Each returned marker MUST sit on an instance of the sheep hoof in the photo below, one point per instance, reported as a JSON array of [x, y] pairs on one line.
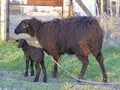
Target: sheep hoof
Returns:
[[32, 73], [78, 80], [55, 75], [105, 80], [35, 80], [45, 80]]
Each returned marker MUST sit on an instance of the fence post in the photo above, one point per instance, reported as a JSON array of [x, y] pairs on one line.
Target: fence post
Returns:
[[71, 8], [66, 4], [4, 20]]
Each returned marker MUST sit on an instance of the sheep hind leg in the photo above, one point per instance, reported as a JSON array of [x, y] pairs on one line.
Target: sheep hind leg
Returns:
[[85, 63], [37, 73], [100, 60], [44, 71], [55, 70], [32, 70]]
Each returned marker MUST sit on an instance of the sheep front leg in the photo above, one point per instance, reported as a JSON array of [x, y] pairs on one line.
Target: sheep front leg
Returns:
[[44, 71], [26, 71], [37, 72]]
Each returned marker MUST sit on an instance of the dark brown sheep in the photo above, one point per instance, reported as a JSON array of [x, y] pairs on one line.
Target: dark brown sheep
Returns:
[[36, 56], [79, 35]]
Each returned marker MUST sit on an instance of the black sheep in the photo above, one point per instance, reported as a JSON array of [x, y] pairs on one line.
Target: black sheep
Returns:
[[36, 56], [79, 35]]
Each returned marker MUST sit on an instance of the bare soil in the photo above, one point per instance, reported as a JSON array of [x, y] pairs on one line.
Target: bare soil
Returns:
[[17, 75]]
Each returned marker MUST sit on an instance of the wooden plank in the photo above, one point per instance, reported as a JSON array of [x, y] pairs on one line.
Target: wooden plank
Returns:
[[45, 2], [85, 9], [4, 19]]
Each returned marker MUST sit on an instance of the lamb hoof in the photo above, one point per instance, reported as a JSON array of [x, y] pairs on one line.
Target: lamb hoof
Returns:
[[55, 75], [26, 74], [32, 73], [45, 80]]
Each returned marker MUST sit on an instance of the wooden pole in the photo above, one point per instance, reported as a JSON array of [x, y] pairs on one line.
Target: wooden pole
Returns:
[[102, 17], [66, 9], [101, 11], [111, 12], [4, 20], [71, 8], [117, 8], [84, 7]]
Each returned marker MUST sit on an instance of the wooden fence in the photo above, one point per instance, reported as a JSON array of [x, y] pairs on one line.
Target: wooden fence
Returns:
[[4, 19], [45, 2]]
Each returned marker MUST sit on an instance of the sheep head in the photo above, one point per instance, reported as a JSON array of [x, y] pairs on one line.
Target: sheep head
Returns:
[[25, 26], [22, 43]]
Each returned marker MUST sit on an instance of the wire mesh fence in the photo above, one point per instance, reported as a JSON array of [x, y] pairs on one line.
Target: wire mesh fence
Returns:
[[0, 18], [25, 11]]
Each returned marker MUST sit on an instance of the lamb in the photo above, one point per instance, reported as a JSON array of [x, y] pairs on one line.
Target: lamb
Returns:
[[36, 56], [80, 35]]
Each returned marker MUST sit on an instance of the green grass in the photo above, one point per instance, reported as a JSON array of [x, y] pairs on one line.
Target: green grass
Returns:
[[12, 60], [67, 86], [26, 85], [12, 57]]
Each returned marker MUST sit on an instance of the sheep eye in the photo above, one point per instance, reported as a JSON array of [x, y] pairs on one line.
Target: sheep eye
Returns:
[[25, 26]]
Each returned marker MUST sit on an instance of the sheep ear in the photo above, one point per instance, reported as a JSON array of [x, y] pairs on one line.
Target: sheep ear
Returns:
[[17, 40]]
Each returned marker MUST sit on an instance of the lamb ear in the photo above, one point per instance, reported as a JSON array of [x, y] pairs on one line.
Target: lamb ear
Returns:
[[17, 40]]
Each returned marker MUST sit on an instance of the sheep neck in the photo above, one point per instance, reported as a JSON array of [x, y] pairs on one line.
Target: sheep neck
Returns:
[[25, 48]]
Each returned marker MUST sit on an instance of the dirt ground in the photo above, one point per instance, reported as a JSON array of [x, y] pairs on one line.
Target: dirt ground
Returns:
[[7, 75]]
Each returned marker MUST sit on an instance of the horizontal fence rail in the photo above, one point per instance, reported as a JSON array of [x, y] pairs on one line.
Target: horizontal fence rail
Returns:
[[40, 3]]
